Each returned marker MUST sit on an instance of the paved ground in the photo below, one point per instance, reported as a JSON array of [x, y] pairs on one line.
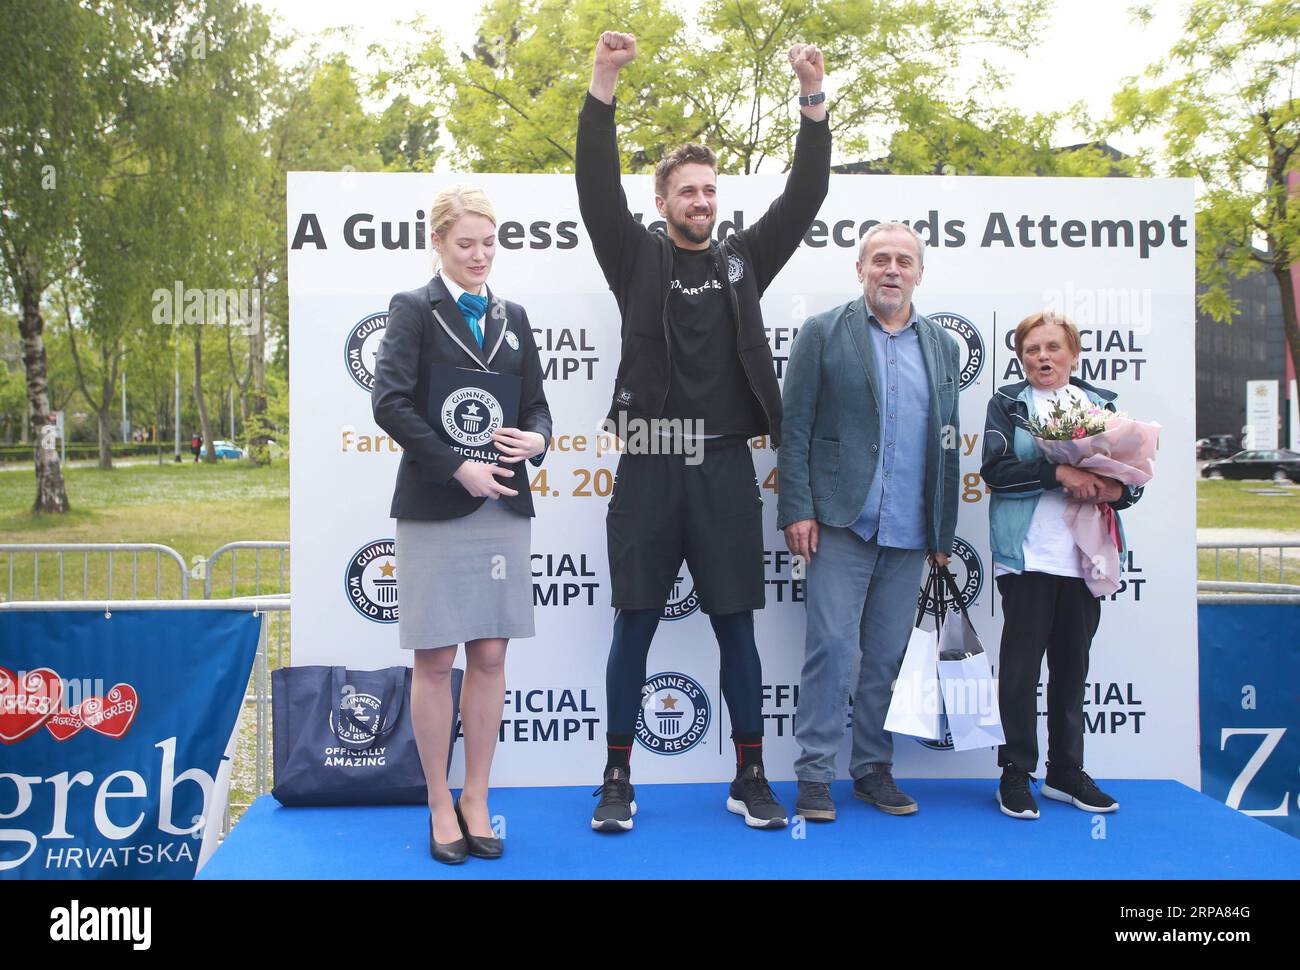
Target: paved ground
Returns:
[[1249, 537]]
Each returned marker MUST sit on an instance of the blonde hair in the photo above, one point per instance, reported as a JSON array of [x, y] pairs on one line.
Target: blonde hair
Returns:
[[1045, 318], [453, 202]]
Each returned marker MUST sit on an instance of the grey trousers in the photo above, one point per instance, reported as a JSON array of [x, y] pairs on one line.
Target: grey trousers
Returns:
[[861, 599]]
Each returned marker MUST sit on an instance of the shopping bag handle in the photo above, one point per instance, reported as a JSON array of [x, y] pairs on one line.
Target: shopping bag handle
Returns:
[[948, 580], [929, 588]]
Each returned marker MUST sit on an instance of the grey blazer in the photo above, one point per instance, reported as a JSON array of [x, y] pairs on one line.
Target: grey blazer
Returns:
[[831, 440]]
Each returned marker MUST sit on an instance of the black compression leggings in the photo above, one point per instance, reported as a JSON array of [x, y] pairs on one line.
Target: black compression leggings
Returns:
[[742, 671]]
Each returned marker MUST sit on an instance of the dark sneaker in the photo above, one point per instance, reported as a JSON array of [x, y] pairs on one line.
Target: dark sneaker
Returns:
[[1073, 785], [814, 802], [751, 796], [617, 802], [1014, 794], [877, 788]]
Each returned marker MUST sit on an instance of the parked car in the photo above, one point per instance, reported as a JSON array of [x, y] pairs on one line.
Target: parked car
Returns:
[[224, 449], [1277, 465], [1217, 446]]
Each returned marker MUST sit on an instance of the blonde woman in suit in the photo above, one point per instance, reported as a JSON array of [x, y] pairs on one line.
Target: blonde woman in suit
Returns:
[[463, 527]]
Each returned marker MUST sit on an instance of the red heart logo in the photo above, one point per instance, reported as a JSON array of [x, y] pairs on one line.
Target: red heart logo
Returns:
[[112, 715], [27, 702], [64, 725]]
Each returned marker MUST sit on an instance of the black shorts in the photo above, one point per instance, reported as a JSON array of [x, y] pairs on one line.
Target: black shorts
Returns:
[[664, 511]]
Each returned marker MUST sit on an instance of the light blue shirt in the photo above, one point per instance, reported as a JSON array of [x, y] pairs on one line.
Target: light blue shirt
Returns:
[[894, 513]]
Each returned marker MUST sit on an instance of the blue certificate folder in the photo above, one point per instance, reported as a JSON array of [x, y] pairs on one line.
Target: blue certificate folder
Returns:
[[466, 406]]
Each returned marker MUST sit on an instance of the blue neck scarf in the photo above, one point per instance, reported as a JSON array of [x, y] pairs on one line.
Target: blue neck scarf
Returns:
[[472, 309]]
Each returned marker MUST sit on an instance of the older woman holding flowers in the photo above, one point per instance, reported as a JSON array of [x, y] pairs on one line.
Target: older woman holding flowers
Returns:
[[1037, 511]]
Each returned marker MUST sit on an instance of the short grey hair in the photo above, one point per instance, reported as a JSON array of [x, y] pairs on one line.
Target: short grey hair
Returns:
[[880, 227]]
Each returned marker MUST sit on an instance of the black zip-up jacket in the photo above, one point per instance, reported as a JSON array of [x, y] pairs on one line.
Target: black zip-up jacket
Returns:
[[1005, 472], [638, 264]]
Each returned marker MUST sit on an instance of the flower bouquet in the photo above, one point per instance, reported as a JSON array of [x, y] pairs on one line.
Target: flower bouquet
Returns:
[[1106, 443]]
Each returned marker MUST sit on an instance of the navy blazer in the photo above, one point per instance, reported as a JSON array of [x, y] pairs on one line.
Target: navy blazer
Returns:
[[426, 327]]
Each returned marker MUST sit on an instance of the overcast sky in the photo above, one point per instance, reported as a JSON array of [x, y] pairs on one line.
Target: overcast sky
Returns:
[[1087, 48]]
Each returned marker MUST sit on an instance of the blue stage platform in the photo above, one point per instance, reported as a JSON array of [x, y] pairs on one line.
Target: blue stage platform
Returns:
[[1163, 830]]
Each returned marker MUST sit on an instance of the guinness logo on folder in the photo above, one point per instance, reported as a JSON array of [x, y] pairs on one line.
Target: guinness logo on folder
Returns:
[[467, 406]]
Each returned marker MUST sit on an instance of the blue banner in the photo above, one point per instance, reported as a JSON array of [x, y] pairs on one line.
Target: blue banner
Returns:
[[1250, 710], [112, 729]]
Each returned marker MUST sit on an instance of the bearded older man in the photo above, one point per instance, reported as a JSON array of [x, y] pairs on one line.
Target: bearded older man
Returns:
[[868, 485]]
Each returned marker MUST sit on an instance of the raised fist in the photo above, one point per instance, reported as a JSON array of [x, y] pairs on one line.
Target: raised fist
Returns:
[[615, 50], [806, 61]]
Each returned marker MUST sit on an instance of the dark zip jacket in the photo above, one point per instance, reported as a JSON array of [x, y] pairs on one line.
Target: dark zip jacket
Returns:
[[638, 265], [1017, 473]]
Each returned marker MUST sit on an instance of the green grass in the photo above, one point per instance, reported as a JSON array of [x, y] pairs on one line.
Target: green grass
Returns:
[[191, 508], [1229, 505], [1287, 570]]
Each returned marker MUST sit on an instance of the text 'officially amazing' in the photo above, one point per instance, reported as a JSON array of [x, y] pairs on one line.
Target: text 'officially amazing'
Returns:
[[361, 231]]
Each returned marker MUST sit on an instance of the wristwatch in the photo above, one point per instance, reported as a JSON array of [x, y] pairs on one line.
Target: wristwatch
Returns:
[[808, 100]]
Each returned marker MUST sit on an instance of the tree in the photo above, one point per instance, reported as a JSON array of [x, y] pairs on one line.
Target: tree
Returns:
[[893, 63], [975, 136], [512, 100], [1226, 99], [59, 87]]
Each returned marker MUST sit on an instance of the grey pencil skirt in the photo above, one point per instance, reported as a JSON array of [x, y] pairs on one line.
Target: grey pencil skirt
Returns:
[[464, 579]]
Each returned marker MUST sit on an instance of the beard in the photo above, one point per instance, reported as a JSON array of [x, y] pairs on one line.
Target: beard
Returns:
[[886, 301], [696, 232]]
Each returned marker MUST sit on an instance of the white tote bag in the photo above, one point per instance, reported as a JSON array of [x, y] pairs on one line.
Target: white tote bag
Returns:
[[916, 707], [969, 690]]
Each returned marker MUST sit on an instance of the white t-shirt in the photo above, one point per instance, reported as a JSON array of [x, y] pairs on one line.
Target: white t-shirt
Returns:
[[1049, 546]]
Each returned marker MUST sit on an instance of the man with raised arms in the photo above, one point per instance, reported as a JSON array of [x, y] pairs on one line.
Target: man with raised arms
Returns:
[[695, 359]]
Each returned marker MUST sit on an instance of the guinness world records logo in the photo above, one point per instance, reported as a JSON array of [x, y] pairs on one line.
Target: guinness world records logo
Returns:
[[364, 710], [970, 342], [471, 416], [674, 716], [967, 571], [683, 600], [362, 347], [370, 581]]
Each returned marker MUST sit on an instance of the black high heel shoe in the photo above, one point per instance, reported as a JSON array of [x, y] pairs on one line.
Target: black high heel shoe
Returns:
[[451, 853], [481, 847]]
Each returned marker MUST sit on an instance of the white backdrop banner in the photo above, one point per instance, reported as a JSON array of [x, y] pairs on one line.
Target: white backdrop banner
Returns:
[[1116, 255]]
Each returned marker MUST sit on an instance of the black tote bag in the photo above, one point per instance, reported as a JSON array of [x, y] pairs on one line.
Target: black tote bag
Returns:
[[344, 737]]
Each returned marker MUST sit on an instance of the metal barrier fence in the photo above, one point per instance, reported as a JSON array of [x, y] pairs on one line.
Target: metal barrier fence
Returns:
[[1285, 560], [59, 552], [257, 548], [1211, 591], [271, 581]]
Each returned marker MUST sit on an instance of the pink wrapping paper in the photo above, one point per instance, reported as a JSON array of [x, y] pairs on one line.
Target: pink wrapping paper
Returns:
[[1125, 451]]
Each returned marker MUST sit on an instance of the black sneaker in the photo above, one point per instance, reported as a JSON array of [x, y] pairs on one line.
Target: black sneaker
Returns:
[[617, 802], [1015, 797], [814, 802], [751, 796], [1073, 785], [877, 788]]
